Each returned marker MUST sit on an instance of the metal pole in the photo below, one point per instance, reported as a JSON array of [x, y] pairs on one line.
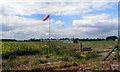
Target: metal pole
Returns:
[[117, 52], [110, 52], [49, 30]]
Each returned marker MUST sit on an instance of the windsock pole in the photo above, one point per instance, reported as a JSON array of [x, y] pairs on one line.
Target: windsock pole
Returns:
[[49, 30]]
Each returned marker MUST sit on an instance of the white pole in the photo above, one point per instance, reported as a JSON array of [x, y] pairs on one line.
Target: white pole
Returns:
[[49, 30]]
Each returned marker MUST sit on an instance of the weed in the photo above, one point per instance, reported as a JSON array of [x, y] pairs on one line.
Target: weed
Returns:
[[47, 56], [65, 58], [96, 67], [88, 65], [38, 55], [43, 61], [75, 64]]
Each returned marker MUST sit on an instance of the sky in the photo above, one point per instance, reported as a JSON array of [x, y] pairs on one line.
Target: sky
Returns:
[[21, 19]]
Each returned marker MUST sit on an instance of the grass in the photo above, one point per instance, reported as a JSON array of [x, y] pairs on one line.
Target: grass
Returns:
[[92, 55], [75, 64], [37, 55], [57, 59], [47, 56], [22, 48], [59, 52], [42, 61], [95, 67], [88, 65], [11, 63]]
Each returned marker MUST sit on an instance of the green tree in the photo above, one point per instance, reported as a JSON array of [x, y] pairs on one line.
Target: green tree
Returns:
[[111, 38]]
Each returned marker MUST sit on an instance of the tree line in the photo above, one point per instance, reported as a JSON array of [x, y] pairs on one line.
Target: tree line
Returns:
[[109, 38]]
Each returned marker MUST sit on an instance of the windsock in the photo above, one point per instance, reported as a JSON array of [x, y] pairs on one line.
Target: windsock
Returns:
[[46, 17]]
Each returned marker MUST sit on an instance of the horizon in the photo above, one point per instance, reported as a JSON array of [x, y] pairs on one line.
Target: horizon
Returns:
[[54, 38]]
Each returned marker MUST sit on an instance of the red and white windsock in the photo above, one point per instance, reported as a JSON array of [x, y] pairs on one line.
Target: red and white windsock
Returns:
[[46, 17]]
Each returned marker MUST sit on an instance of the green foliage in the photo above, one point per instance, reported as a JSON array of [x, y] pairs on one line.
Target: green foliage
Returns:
[[91, 55], [11, 63], [22, 48], [44, 49], [37, 55], [111, 38], [75, 64], [83, 62], [88, 65], [72, 67], [47, 56], [116, 57], [12, 57], [43, 61], [36, 62], [76, 55], [57, 59], [96, 67], [25, 61], [65, 58]]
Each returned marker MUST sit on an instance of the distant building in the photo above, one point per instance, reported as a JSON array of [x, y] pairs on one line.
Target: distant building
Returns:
[[70, 41], [116, 39]]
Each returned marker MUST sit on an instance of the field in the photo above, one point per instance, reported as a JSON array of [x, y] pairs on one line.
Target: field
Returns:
[[58, 56]]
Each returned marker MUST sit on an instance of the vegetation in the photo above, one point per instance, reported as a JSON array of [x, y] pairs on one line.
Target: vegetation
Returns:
[[18, 48], [111, 38], [92, 55], [60, 55]]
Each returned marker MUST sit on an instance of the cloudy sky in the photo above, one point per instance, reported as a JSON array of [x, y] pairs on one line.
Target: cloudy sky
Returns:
[[22, 19]]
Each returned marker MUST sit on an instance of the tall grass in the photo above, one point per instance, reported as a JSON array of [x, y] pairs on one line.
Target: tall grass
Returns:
[[21, 48], [31, 48]]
